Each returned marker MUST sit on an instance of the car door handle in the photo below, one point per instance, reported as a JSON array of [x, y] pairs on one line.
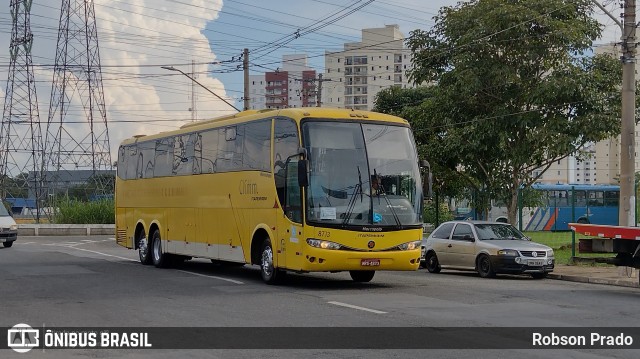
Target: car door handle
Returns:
[[449, 246]]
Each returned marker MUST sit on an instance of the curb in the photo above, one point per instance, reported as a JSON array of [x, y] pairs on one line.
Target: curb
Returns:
[[605, 281]]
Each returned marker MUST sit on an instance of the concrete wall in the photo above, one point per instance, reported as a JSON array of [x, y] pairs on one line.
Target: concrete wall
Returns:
[[65, 229]]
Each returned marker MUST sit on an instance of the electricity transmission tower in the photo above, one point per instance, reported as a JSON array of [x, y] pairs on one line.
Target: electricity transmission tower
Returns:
[[21, 151], [77, 138]]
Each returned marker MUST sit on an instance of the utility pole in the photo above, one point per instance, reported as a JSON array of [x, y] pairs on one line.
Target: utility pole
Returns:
[[193, 110], [627, 141], [245, 67], [319, 94]]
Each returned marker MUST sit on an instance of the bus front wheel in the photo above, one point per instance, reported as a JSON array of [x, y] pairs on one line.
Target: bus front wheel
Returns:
[[270, 274], [160, 259], [362, 276]]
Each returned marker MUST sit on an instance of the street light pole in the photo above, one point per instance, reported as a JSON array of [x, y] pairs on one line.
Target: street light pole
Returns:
[[171, 68]]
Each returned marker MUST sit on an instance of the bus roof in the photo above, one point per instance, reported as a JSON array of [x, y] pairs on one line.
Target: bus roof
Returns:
[[297, 113], [577, 187]]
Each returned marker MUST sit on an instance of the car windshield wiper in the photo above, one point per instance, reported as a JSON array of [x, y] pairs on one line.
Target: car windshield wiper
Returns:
[[352, 201]]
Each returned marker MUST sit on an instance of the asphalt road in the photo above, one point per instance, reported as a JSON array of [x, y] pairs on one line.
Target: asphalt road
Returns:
[[92, 282]]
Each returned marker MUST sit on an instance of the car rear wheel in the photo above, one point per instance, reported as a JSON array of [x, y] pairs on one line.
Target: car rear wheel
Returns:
[[484, 267], [432, 264], [362, 276], [7, 244]]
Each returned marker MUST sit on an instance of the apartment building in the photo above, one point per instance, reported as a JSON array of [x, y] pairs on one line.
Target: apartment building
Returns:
[[603, 163], [293, 84], [354, 76]]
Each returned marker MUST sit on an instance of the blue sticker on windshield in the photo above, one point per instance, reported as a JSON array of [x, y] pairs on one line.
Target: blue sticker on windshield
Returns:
[[377, 217]]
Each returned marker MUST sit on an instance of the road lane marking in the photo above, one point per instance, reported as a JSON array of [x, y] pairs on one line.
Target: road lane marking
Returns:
[[103, 254], [211, 276], [357, 307]]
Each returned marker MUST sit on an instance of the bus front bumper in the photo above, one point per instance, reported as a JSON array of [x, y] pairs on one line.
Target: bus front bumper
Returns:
[[326, 260]]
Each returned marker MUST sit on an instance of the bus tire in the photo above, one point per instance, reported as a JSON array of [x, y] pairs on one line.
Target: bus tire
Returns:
[[362, 276], [160, 259], [144, 252], [483, 264], [270, 274], [583, 220]]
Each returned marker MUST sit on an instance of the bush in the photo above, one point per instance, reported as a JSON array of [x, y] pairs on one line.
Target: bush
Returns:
[[73, 211], [429, 213]]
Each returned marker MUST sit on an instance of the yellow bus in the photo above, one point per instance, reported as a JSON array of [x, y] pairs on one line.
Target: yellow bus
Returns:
[[297, 189]]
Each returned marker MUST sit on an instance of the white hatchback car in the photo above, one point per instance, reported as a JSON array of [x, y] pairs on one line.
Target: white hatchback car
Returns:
[[485, 247], [8, 228]]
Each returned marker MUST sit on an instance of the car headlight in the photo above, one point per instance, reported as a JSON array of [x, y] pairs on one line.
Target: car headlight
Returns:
[[508, 252], [13, 227], [322, 244], [550, 253], [409, 246]]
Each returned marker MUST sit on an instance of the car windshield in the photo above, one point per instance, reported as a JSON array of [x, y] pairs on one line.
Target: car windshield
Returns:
[[491, 231], [3, 211], [361, 174]]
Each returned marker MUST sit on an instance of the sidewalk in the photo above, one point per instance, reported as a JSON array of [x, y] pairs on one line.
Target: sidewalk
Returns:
[[609, 275]]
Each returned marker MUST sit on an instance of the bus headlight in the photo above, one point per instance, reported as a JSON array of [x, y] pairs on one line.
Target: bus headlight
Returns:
[[322, 244], [409, 246]]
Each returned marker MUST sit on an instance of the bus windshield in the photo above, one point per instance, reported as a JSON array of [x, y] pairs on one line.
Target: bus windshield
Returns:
[[361, 174]]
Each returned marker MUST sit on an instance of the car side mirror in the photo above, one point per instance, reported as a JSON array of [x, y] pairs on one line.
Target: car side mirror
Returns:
[[468, 238]]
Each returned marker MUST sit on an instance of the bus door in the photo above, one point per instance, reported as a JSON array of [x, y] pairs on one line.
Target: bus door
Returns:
[[288, 244], [290, 231]]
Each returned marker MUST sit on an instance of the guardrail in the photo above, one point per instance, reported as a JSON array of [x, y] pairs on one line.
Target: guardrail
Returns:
[[66, 229]]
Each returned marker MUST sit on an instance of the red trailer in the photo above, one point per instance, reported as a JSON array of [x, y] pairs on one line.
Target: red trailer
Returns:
[[625, 241]]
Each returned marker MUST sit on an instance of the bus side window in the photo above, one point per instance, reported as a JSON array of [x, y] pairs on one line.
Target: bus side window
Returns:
[[285, 144], [122, 164], [257, 146], [209, 151], [611, 198], [132, 161], [163, 157], [596, 198], [145, 167]]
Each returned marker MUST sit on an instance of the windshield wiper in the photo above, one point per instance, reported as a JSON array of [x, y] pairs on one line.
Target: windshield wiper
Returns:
[[352, 201]]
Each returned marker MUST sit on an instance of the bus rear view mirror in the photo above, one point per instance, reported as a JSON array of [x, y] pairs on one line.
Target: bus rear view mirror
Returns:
[[303, 178]]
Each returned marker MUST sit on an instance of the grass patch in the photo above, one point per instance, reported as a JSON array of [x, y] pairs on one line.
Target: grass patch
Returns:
[[73, 211]]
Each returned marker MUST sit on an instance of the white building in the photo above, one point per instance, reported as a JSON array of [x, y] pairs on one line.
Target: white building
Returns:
[[603, 166], [353, 77]]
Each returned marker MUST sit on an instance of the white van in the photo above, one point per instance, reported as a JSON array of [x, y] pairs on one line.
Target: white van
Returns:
[[8, 228]]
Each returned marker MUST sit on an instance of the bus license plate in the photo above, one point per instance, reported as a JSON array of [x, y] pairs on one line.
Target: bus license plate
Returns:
[[535, 263], [370, 262]]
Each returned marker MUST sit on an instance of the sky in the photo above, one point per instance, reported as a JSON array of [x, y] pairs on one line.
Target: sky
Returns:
[[206, 37]]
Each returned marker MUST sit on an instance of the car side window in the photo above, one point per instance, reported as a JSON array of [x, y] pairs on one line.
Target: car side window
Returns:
[[443, 231], [462, 232]]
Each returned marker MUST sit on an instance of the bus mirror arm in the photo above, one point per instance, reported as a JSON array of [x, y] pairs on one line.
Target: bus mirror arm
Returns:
[[302, 152]]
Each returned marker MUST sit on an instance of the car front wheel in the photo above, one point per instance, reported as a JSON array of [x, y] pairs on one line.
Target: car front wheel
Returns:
[[7, 244], [432, 264], [484, 267]]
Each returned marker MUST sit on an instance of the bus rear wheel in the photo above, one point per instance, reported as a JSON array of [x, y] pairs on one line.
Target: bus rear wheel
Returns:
[[144, 252], [362, 276], [160, 259], [270, 274]]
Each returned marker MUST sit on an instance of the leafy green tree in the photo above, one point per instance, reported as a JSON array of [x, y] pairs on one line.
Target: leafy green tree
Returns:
[[512, 88]]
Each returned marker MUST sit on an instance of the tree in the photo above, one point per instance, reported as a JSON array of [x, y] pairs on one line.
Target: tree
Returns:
[[513, 88]]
